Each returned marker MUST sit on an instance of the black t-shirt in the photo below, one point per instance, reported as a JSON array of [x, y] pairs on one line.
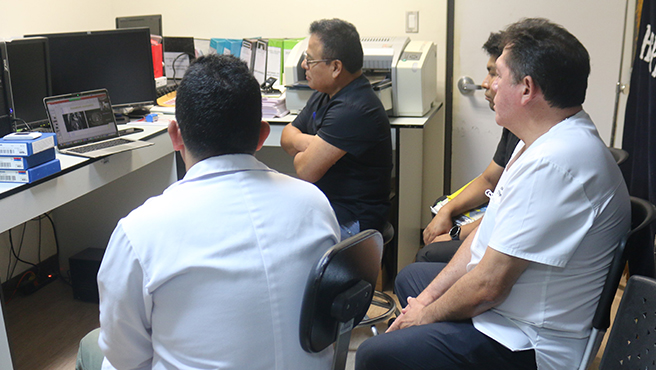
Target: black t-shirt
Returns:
[[505, 148], [354, 120]]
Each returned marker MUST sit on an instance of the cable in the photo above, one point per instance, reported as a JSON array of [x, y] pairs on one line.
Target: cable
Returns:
[[19, 283], [173, 65], [21, 120]]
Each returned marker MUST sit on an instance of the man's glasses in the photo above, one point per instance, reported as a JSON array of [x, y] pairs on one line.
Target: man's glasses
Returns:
[[310, 62]]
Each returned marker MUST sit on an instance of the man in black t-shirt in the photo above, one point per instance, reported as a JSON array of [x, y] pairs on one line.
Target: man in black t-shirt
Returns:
[[341, 140], [441, 236]]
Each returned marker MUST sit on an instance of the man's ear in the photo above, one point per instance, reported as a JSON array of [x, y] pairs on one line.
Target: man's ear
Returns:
[[176, 136], [265, 129], [530, 89], [336, 68]]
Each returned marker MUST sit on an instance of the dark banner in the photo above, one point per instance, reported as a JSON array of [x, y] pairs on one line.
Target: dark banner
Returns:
[[639, 137]]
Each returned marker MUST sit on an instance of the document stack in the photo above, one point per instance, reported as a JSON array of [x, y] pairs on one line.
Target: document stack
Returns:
[[27, 157], [273, 106]]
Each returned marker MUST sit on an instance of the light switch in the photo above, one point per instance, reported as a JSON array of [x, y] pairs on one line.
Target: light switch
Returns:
[[412, 21]]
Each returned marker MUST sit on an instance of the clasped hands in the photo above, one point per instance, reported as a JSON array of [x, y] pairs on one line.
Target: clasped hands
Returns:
[[411, 315]]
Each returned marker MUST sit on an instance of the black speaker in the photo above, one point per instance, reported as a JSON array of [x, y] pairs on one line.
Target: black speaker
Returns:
[[84, 271]]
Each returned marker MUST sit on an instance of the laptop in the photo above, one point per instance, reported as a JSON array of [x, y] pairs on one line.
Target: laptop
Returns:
[[85, 125]]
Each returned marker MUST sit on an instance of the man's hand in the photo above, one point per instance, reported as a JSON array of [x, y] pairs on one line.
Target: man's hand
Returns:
[[439, 225], [411, 315]]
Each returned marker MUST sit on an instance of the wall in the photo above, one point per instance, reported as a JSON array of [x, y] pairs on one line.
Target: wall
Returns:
[[38, 16]]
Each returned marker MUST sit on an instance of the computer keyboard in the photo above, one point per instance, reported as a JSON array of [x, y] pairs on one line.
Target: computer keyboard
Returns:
[[101, 145], [163, 90]]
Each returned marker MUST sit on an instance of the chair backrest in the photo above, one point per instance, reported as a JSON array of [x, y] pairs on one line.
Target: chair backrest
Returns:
[[352, 263], [631, 340], [643, 213], [619, 155]]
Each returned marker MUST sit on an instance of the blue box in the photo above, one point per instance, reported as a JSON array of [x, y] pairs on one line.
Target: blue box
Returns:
[[226, 46], [24, 148], [23, 163], [31, 174]]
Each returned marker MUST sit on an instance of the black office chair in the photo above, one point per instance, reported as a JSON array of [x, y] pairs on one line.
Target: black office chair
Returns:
[[631, 341], [382, 300], [338, 293], [643, 213]]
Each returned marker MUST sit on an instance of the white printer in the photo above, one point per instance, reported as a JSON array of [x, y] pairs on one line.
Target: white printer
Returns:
[[403, 74]]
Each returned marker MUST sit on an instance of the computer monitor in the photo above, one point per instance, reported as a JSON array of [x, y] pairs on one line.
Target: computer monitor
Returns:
[[28, 69], [117, 60], [6, 124], [153, 22]]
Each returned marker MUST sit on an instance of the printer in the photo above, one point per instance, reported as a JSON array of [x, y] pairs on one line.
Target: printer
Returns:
[[403, 73]]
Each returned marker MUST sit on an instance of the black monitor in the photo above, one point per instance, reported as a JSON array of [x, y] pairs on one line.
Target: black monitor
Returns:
[[153, 22], [117, 60], [28, 70], [6, 124]]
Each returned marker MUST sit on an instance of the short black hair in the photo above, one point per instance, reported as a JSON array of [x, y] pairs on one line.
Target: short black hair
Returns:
[[340, 41], [219, 107], [494, 44], [555, 59]]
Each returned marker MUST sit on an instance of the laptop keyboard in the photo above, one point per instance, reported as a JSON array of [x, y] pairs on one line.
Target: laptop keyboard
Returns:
[[102, 145]]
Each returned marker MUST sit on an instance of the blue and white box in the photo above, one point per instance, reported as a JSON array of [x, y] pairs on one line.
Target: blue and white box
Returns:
[[24, 148], [23, 163], [31, 174]]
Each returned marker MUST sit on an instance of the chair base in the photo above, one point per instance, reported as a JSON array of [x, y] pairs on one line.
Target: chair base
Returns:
[[385, 301]]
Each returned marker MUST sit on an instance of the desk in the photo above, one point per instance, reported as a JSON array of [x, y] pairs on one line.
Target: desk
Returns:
[[81, 178]]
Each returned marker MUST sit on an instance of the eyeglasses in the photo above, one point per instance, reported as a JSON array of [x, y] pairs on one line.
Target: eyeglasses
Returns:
[[311, 62]]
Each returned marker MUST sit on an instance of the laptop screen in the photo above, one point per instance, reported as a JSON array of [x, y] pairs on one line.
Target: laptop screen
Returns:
[[81, 118]]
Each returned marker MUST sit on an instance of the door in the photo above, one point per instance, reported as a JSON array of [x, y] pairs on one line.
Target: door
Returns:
[[598, 25]]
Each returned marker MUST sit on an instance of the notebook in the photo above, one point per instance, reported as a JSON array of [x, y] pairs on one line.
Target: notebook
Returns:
[[85, 125]]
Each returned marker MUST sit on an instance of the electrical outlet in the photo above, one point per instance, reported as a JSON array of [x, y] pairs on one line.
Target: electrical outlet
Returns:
[[412, 21]]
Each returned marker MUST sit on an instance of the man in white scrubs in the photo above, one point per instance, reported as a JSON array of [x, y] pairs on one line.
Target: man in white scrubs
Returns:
[[211, 273], [521, 292]]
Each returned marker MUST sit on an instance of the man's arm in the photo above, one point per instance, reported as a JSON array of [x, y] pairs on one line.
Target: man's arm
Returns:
[[472, 196], [125, 327], [313, 156], [455, 295], [293, 140]]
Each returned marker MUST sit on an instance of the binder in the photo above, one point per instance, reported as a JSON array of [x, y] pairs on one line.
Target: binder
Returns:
[[31, 174], [22, 163], [260, 60], [275, 65], [247, 52], [24, 148], [287, 46]]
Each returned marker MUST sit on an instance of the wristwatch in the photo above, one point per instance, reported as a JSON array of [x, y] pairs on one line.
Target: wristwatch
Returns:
[[455, 232]]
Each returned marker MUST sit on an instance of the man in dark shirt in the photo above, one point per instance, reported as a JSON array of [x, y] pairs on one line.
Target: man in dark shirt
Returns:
[[341, 140], [441, 236]]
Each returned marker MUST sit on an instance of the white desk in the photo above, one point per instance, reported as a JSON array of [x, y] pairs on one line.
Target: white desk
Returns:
[[81, 177]]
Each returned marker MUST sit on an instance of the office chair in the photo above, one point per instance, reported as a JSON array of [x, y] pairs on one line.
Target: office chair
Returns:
[[631, 341], [381, 299], [619, 155], [338, 293], [643, 213]]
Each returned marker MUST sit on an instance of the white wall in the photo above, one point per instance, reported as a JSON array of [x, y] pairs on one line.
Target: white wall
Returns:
[[22, 17]]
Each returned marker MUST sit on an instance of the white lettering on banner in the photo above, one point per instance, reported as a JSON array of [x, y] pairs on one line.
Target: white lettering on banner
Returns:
[[648, 49]]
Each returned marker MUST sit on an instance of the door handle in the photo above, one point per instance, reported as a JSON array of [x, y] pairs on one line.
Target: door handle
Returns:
[[467, 86]]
